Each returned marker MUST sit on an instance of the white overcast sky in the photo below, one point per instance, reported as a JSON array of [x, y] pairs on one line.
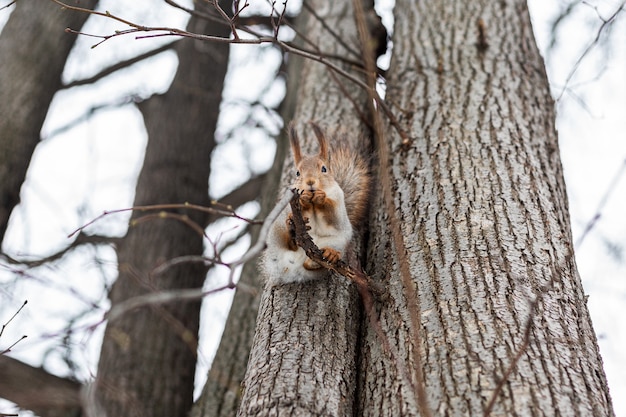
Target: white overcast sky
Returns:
[[78, 173]]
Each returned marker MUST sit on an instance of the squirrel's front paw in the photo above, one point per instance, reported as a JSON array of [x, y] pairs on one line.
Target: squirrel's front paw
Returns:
[[331, 255], [306, 198], [319, 198]]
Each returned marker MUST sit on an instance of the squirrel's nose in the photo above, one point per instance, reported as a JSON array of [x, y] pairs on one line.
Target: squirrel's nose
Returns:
[[310, 181]]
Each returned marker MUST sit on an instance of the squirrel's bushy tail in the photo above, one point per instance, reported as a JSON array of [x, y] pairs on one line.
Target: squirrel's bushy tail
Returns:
[[352, 173]]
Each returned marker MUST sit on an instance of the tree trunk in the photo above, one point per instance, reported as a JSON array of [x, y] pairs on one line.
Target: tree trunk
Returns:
[[483, 224], [148, 357], [304, 355], [34, 49]]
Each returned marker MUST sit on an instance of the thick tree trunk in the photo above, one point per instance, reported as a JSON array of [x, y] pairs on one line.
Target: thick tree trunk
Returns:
[[34, 48], [148, 356], [484, 226], [304, 356]]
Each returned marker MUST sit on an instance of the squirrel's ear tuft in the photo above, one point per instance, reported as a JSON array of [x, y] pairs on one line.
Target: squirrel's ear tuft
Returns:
[[295, 143], [321, 139]]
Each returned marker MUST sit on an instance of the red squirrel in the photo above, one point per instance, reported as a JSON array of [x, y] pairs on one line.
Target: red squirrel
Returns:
[[334, 188]]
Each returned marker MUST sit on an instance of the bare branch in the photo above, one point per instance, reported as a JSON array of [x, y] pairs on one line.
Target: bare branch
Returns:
[[35, 389], [598, 213], [164, 31], [419, 387], [259, 39], [330, 30], [516, 358], [606, 23], [12, 317], [165, 297], [120, 65], [228, 19], [219, 209], [81, 239], [7, 350], [246, 192], [8, 5], [258, 247]]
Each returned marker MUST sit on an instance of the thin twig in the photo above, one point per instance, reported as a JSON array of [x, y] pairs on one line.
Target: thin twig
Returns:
[[166, 297], [516, 358], [120, 65], [224, 210], [7, 350], [598, 213], [81, 239], [412, 298], [260, 244], [260, 39], [605, 24], [13, 316], [168, 31], [227, 18], [163, 297], [2, 8]]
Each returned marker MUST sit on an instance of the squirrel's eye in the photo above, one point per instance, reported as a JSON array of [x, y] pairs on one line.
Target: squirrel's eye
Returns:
[[323, 168], [297, 173]]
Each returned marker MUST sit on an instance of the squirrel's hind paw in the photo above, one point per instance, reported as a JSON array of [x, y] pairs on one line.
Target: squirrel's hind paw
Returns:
[[329, 254], [311, 265]]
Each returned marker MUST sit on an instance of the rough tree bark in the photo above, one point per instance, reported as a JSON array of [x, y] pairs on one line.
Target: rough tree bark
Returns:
[[148, 357], [303, 358], [482, 223], [34, 49]]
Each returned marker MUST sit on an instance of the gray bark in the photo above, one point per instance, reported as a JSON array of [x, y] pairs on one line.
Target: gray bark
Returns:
[[303, 358], [33, 47], [482, 212]]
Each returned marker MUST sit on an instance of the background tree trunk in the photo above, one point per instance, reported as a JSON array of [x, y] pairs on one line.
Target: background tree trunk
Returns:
[[148, 357], [303, 358], [34, 49], [482, 215]]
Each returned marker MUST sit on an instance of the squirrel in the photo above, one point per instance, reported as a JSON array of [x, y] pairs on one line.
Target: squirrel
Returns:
[[334, 188]]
